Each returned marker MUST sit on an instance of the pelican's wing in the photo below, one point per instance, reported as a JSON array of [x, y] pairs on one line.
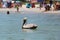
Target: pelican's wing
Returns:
[[29, 25]]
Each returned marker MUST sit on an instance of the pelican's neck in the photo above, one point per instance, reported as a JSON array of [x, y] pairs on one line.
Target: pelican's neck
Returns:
[[24, 21]]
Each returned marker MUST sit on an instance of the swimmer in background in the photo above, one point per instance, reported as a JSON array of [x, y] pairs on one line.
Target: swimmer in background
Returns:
[[8, 12]]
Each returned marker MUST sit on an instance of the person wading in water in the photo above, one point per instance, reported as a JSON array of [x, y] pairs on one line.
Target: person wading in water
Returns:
[[17, 8]]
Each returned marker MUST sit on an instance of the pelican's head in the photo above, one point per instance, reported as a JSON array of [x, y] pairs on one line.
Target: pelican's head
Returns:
[[25, 18]]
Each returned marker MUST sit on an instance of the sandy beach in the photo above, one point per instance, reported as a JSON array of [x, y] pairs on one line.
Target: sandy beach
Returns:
[[23, 8]]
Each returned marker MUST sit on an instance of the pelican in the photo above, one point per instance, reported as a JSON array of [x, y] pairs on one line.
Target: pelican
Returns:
[[28, 26]]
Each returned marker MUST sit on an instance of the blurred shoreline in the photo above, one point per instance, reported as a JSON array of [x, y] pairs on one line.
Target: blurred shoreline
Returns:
[[23, 8]]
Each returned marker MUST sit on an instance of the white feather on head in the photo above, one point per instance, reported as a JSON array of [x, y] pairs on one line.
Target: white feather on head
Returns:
[[25, 18]]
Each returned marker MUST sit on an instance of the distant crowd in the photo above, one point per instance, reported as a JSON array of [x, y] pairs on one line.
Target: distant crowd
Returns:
[[47, 6], [55, 5], [10, 4]]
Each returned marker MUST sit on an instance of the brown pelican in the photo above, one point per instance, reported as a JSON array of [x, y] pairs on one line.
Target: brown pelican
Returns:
[[28, 26]]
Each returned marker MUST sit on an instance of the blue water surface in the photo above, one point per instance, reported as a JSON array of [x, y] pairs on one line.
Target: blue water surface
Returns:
[[48, 26]]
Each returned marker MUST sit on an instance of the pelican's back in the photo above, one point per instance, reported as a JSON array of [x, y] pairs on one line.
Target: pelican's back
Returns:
[[30, 26]]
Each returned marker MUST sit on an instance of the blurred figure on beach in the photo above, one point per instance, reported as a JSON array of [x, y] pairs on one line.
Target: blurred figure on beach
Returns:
[[17, 7], [28, 5], [33, 5], [56, 5], [9, 4], [41, 5], [0, 4], [47, 7], [13, 4], [51, 2]]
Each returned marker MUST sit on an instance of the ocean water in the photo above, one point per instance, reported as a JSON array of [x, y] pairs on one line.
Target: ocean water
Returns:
[[48, 26]]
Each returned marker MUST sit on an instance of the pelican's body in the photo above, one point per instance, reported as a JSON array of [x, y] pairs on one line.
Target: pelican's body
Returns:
[[28, 26]]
